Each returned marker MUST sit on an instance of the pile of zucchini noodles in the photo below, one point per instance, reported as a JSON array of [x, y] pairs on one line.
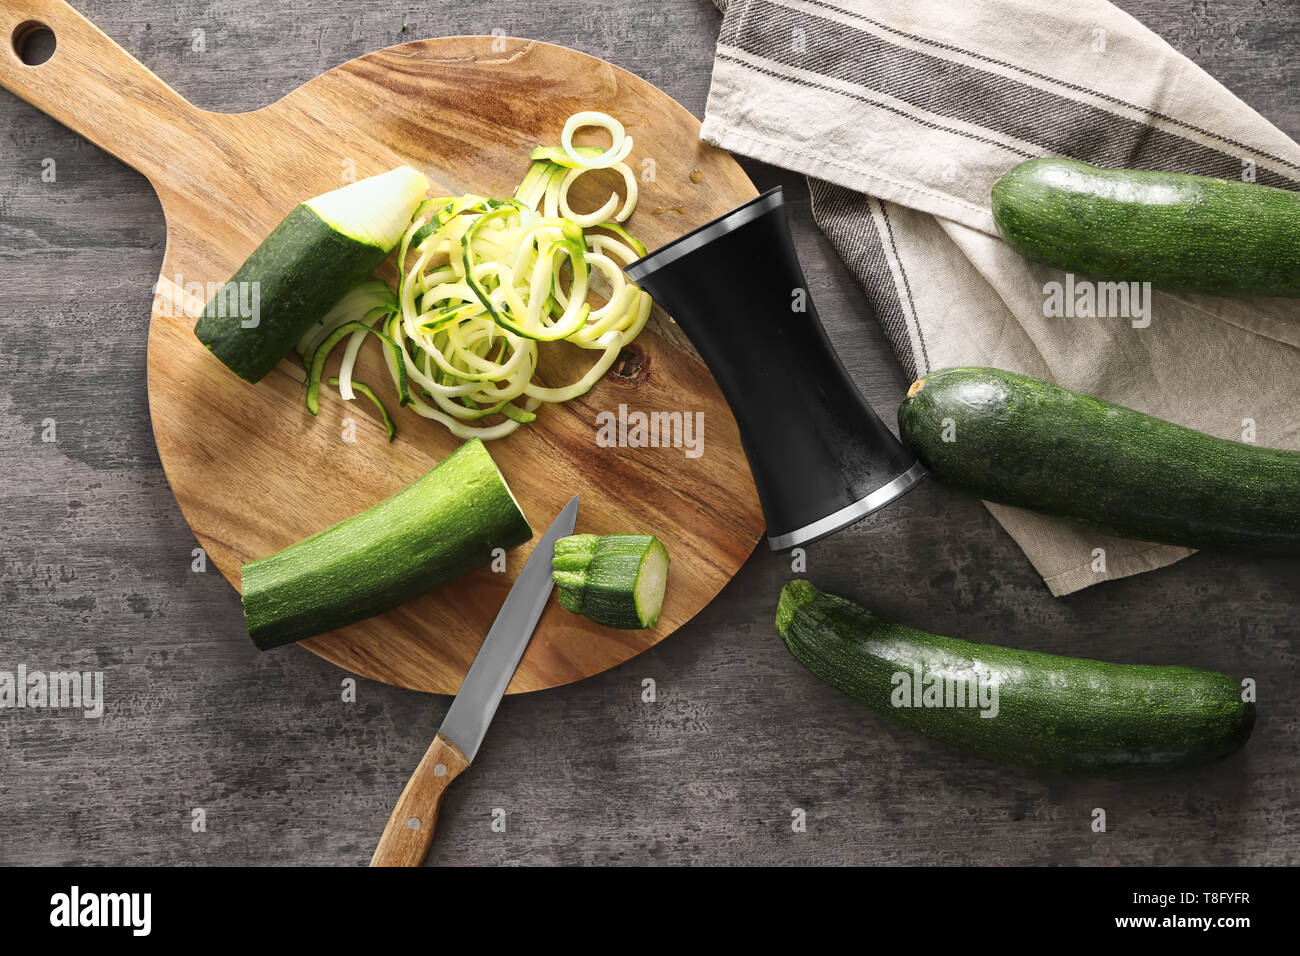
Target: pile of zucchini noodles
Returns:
[[484, 282]]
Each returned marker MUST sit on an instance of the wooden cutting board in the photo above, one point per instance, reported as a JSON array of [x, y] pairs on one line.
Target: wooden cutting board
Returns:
[[253, 471]]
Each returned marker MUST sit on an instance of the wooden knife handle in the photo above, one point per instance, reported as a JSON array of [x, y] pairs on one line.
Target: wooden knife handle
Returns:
[[94, 87], [409, 831]]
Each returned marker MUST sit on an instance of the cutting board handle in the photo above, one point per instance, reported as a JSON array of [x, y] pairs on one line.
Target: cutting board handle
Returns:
[[94, 87]]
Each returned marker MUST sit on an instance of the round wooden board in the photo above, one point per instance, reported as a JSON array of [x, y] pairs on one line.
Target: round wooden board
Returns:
[[254, 472]]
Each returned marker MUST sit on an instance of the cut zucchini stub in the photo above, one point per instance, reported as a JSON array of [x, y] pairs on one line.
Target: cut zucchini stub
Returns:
[[374, 211], [617, 580], [321, 251]]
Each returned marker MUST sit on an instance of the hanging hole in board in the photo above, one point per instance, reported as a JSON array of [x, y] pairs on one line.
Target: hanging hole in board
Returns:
[[34, 42]]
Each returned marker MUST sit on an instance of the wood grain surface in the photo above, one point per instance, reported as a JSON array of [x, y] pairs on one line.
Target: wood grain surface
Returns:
[[253, 472], [697, 751]]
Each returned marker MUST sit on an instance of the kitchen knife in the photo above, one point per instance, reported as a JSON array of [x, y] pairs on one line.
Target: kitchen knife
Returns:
[[409, 831]]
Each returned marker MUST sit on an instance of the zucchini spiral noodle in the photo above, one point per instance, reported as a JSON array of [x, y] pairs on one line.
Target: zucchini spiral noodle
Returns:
[[484, 282]]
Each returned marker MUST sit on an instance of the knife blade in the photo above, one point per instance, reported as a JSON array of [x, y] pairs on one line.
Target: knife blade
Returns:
[[476, 702], [409, 832]]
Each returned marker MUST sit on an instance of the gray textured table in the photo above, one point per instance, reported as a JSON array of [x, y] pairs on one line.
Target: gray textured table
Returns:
[[95, 567]]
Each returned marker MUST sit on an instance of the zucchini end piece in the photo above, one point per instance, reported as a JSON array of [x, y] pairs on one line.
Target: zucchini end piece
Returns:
[[793, 596]]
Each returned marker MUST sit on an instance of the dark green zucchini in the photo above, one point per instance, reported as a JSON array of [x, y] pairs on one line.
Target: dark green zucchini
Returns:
[[1180, 233], [1055, 714], [1020, 441], [434, 530], [322, 249]]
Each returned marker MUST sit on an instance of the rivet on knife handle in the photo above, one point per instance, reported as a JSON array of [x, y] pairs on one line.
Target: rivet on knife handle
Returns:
[[409, 832]]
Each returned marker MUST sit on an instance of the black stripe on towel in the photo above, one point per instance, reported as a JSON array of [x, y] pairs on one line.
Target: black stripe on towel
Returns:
[[845, 216], [1004, 105]]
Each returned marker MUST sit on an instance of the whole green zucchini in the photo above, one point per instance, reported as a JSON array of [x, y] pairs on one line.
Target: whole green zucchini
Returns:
[[321, 250], [434, 530], [1020, 441], [1041, 711], [1180, 233]]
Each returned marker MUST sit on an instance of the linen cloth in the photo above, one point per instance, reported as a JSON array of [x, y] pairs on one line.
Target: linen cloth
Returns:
[[903, 114]]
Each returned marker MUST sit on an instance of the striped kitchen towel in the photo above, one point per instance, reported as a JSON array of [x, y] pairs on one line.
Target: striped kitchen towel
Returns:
[[903, 113]]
